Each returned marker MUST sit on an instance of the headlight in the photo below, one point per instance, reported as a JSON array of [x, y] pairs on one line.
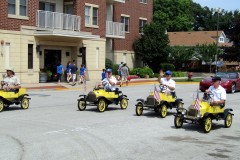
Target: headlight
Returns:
[[199, 115], [184, 112]]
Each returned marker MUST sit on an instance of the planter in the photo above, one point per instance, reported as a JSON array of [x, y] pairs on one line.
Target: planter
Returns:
[[43, 77], [146, 76]]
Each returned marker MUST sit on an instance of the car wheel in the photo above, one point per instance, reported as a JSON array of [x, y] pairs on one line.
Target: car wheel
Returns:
[[207, 125], [1, 105], [82, 104], [233, 88], [178, 122], [124, 103], [163, 110], [25, 103], [228, 120], [139, 109], [102, 105]]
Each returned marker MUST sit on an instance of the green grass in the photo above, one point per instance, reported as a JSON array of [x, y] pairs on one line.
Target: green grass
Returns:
[[186, 80]]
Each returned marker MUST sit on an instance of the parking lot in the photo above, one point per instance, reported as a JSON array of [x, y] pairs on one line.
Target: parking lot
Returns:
[[54, 129]]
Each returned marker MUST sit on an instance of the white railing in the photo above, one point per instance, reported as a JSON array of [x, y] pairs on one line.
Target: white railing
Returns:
[[56, 20], [112, 1], [115, 29]]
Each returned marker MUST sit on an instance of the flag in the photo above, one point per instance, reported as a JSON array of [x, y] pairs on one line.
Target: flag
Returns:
[[156, 94], [196, 105]]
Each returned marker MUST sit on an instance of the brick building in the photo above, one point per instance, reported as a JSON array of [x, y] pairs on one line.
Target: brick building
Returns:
[[37, 34]]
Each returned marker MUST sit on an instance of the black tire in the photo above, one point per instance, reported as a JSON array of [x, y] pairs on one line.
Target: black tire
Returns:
[[163, 110], [102, 105], [24, 103], [228, 120], [178, 122], [207, 124], [139, 109], [82, 104], [1, 105], [124, 103]]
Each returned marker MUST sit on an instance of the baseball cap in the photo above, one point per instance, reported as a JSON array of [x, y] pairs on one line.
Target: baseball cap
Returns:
[[168, 72], [216, 78], [109, 70]]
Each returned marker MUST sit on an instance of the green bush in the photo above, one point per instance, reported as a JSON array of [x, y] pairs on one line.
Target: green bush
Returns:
[[156, 75], [167, 66], [108, 63], [178, 74], [142, 72], [114, 69]]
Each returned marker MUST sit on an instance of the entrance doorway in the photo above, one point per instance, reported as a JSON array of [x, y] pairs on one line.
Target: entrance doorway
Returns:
[[51, 60]]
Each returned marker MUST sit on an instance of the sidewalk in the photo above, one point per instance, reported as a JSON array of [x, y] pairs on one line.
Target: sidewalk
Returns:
[[90, 84]]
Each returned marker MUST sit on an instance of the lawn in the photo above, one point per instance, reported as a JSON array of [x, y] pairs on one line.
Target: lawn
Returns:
[[186, 80]]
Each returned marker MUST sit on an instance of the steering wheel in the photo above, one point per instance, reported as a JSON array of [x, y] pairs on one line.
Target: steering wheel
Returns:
[[208, 96], [162, 87]]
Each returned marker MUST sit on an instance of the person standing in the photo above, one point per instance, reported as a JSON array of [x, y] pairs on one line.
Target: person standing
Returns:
[[60, 71], [82, 74], [119, 71], [68, 71], [74, 69], [124, 74], [103, 74]]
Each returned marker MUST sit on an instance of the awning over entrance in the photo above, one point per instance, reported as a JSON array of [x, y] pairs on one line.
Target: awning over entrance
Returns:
[[62, 33]]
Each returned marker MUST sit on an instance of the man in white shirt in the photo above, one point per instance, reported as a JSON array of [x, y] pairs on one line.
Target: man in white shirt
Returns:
[[167, 81], [110, 81], [219, 93]]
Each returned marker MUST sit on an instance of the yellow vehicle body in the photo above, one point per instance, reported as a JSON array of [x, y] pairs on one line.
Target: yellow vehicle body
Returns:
[[205, 107], [11, 94], [103, 93], [165, 97]]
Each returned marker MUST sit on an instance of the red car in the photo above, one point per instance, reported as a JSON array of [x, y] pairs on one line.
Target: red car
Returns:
[[230, 81]]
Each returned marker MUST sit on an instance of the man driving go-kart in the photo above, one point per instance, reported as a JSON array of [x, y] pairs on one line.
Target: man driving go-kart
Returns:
[[167, 81], [10, 82], [218, 92], [109, 82]]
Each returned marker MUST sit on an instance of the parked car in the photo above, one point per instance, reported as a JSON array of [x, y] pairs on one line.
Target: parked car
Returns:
[[230, 81]]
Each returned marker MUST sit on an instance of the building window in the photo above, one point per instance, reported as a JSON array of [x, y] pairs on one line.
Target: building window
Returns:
[[143, 1], [68, 9], [125, 20], [142, 22], [23, 7], [30, 56], [11, 6], [91, 15], [46, 6], [221, 39]]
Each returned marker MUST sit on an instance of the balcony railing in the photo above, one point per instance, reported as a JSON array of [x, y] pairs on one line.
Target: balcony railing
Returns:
[[115, 29], [54, 20], [114, 1]]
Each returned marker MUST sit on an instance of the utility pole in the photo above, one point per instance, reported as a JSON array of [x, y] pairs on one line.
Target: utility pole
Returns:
[[217, 10]]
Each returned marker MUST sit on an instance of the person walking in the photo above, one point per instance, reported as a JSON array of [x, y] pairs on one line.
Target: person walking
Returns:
[[119, 71], [68, 71], [74, 69], [124, 74], [82, 74], [60, 71]]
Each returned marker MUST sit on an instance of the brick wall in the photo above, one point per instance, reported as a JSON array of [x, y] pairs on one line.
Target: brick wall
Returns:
[[7, 23], [135, 10], [79, 9]]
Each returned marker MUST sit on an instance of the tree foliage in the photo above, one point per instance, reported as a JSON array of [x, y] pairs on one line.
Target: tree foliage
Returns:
[[207, 52], [152, 47]]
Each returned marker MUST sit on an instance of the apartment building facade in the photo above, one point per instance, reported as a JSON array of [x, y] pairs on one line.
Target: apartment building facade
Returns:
[[37, 34]]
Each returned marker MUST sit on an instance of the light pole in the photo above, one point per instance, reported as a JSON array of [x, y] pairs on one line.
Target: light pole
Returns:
[[217, 10]]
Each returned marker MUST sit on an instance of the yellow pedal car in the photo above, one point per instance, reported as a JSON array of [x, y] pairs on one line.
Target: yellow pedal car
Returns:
[[167, 101], [101, 99], [8, 98], [204, 115]]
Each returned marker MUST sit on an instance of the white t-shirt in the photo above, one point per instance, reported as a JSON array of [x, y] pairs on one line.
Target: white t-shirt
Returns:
[[218, 93], [107, 85], [169, 82], [12, 80]]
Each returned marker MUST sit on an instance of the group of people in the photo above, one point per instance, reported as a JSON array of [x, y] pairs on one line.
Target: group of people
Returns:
[[218, 92], [71, 71], [123, 73]]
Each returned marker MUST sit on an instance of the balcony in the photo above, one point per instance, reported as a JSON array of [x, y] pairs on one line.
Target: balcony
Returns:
[[115, 30], [47, 20], [115, 1]]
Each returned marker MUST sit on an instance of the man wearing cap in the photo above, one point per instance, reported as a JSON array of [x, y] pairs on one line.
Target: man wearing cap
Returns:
[[219, 93], [167, 81], [11, 82], [110, 81]]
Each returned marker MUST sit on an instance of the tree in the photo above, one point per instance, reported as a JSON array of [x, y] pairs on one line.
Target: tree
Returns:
[[206, 52], [174, 15], [152, 47]]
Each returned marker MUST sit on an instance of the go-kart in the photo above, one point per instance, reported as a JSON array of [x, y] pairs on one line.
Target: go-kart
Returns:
[[17, 97], [102, 98], [204, 115], [167, 101]]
